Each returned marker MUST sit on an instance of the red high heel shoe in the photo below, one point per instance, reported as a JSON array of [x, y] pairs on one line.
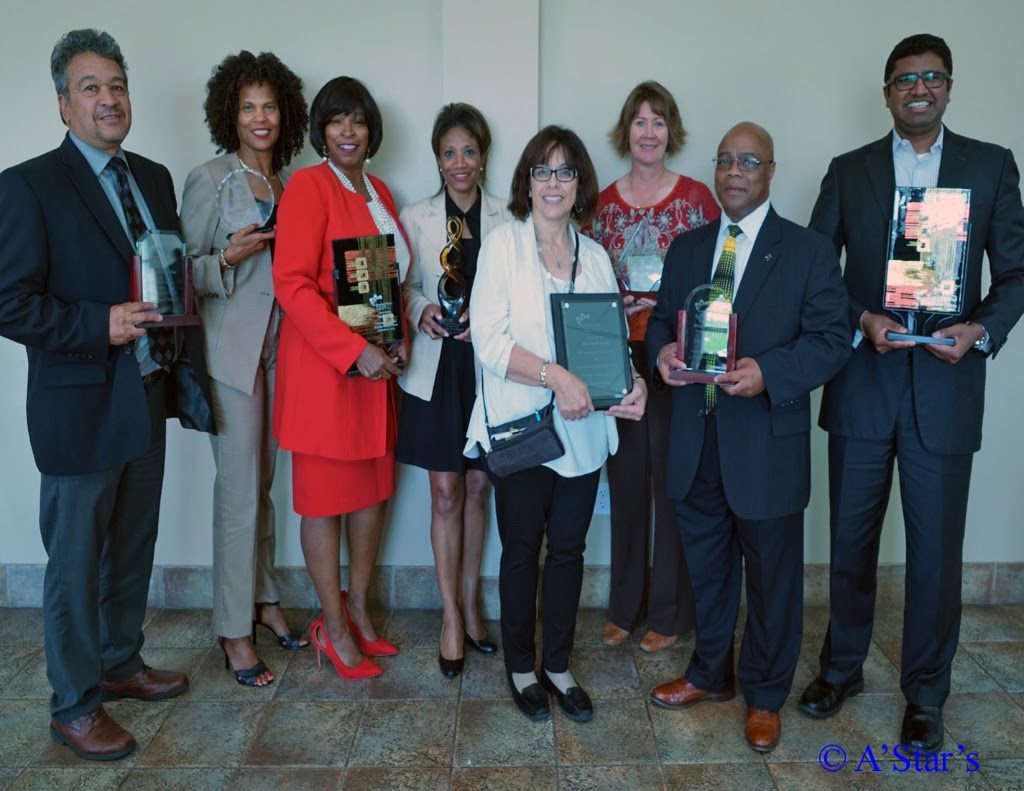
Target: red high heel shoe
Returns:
[[379, 647], [321, 642]]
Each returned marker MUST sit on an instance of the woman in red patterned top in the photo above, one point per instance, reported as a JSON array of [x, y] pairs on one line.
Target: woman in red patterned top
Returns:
[[638, 216]]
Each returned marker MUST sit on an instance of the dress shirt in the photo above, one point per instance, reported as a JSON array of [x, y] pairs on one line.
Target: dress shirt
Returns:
[[750, 226], [913, 169]]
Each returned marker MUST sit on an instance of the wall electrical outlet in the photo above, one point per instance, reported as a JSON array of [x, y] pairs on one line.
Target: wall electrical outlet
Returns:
[[603, 503]]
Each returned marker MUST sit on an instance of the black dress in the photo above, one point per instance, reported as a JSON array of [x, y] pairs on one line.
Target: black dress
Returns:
[[432, 434]]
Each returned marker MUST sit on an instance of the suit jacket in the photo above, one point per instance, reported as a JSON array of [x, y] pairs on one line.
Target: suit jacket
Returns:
[[791, 309], [63, 263], [235, 307], [854, 209], [424, 222]]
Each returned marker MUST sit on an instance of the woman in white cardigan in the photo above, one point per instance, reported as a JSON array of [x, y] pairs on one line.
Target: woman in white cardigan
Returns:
[[521, 264], [440, 382]]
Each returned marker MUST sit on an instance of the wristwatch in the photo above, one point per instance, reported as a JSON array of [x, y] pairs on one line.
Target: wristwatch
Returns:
[[982, 342]]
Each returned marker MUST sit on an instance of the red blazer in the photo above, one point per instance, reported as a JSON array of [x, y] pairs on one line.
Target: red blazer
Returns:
[[318, 409]]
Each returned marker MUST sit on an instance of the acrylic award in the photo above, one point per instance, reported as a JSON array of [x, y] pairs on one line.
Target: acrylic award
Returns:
[[705, 335], [161, 272]]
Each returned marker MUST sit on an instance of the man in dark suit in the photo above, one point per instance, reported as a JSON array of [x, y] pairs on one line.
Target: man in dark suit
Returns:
[[739, 453], [918, 403], [98, 394]]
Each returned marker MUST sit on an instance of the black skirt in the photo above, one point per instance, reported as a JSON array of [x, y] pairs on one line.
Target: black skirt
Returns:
[[432, 434]]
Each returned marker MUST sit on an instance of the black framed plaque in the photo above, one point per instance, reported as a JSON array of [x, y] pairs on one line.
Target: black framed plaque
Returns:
[[591, 343], [367, 292], [161, 272], [706, 335]]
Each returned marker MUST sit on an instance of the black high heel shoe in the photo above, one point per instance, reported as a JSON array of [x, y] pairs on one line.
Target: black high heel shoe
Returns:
[[450, 668], [484, 646], [249, 676], [292, 641]]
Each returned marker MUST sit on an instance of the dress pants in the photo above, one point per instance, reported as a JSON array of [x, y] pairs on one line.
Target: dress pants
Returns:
[[245, 452], [636, 478], [99, 531], [934, 489], [719, 545], [531, 505]]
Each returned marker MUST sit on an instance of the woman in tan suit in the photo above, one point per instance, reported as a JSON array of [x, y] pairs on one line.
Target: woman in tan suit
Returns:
[[440, 383], [257, 114]]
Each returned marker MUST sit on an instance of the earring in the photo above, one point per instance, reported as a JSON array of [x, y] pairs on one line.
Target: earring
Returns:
[[366, 162], [324, 152]]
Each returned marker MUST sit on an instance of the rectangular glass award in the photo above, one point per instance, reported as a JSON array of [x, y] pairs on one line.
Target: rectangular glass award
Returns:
[[705, 335], [367, 293], [638, 267], [927, 257], [161, 272], [591, 343]]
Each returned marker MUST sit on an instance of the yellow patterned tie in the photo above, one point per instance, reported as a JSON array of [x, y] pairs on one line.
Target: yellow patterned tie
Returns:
[[723, 279]]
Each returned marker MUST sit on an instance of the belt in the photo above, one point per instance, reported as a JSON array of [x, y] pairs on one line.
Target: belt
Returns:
[[153, 377]]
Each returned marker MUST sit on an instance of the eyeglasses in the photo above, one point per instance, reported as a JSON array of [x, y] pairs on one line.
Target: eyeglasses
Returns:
[[906, 82], [543, 173], [747, 162]]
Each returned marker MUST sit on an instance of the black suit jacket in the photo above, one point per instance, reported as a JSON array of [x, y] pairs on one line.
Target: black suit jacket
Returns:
[[791, 308], [63, 262], [854, 209]]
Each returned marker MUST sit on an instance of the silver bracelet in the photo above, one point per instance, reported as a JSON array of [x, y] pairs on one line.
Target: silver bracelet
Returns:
[[544, 373]]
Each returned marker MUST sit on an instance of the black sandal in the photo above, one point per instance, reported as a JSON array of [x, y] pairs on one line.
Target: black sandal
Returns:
[[249, 676], [292, 641]]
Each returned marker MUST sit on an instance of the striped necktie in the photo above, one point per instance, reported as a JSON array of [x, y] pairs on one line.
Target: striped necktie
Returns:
[[723, 279], [161, 341]]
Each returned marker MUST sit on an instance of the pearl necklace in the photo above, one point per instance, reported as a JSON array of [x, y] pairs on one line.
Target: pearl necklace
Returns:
[[381, 218]]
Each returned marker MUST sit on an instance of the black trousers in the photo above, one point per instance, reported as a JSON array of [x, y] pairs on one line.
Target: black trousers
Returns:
[[934, 489], [719, 546], [530, 506], [99, 530], [636, 479]]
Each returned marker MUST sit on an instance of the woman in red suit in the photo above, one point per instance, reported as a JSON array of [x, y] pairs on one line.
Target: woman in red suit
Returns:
[[339, 428]]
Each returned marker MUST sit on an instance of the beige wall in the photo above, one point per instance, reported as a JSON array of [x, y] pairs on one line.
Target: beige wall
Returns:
[[809, 71]]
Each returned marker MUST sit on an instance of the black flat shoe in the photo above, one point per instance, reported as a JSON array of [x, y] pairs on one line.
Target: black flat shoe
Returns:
[[532, 701], [822, 699], [249, 676], [922, 727], [450, 668], [484, 646], [292, 641], [574, 701]]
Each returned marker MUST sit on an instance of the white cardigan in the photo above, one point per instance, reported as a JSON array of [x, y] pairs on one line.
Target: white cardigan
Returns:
[[510, 306], [424, 224]]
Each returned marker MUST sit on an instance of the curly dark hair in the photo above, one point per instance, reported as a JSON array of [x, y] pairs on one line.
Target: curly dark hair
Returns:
[[538, 152], [221, 105]]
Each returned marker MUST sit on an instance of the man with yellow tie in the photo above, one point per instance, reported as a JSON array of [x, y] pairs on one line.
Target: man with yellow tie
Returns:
[[739, 449]]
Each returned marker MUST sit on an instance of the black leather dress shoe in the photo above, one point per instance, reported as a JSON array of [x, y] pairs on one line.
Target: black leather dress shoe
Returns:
[[922, 727], [574, 701], [532, 701], [822, 699], [450, 668]]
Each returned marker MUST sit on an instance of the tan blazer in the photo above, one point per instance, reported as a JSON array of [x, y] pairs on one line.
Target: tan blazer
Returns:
[[424, 224], [235, 306]]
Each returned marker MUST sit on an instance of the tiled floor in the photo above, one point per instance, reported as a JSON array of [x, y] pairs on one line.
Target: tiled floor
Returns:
[[413, 729]]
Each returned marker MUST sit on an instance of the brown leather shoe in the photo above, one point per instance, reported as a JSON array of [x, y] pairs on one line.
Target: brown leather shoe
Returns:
[[654, 642], [93, 736], [763, 729], [613, 635], [148, 684], [681, 693]]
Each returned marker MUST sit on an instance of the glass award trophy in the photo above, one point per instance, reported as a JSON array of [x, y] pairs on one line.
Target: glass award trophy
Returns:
[[244, 197], [161, 272], [638, 267], [367, 293], [452, 288], [705, 335], [591, 343], [924, 273]]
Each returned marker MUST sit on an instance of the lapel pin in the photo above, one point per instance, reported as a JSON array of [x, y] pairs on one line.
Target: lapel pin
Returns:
[[768, 257]]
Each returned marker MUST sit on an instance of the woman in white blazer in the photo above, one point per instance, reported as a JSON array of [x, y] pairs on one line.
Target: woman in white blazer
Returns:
[[440, 383], [256, 112]]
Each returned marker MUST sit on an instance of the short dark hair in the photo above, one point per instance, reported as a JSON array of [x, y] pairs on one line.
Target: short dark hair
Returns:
[[663, 103], [223, 90], [538, 152], [76, 42], [919, 44], [344, 96], [466, 116]]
